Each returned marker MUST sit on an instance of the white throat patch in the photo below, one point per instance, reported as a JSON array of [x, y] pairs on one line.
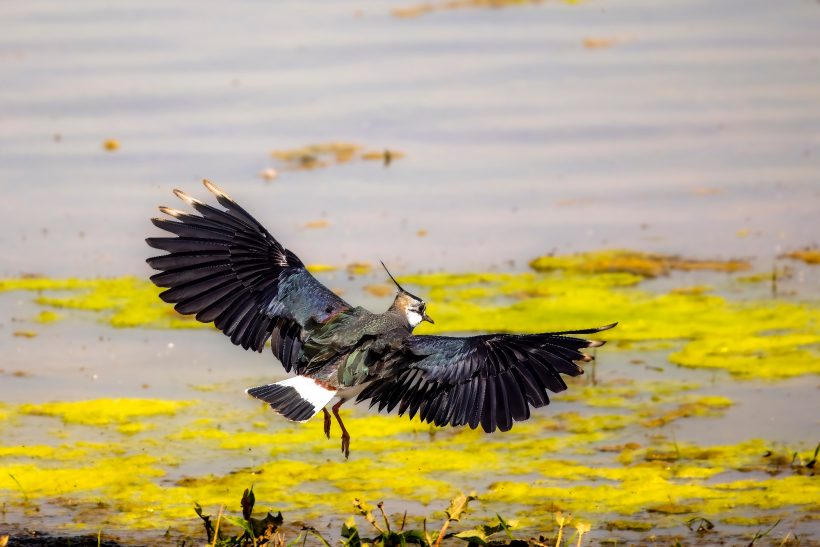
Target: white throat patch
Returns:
[[413, 317]]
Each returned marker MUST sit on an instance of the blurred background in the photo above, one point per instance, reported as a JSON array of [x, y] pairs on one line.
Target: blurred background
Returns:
[[438, 136], [553, 126]]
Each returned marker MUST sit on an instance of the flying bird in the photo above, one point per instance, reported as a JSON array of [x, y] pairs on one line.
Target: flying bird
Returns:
[[223, 266]]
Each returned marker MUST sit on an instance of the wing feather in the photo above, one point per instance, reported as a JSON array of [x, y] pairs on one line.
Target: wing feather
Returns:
[[489, 380], [223, 266]]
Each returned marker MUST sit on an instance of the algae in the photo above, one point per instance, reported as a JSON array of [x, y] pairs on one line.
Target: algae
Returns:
[[123, 301], [809, 255], [320, 268], [637, 262], [769, 339], [105, 411], [359, 268], [317, 156], [749, 339], [379, 290], [417, 10], [292, 467], [582, 457], [47, 316]]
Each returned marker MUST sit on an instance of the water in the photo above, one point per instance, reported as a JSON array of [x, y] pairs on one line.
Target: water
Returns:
[[701, 121], [697, 132]]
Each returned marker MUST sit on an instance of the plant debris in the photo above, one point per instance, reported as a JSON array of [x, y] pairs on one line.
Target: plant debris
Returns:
[[318, 156]]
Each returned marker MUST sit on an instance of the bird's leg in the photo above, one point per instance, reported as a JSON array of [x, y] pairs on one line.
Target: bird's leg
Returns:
[[345, 434], [327, 422]]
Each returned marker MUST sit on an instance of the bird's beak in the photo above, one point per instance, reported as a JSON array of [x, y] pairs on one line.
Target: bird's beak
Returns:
[[427, 318]]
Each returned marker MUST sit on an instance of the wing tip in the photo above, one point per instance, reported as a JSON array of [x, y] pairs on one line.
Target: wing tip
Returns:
[[185, 197], [215, 190], [176, 213]]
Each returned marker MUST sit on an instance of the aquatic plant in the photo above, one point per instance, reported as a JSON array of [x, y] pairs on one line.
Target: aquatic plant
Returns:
[[770, 339], [317, 156], [635, 262], [269, 530], [809, 255]]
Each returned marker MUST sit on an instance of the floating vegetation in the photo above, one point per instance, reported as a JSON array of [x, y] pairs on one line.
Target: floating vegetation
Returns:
[[605, 451], [600, 43], [321, 268], [426, 8], [549, 458], [359, 268], [809, 255], [123, 301], [770, 339], [47, 316], [105, 411], [635, 262], [385, 156], [111, 145], [379, 290], [317, 156], [750, 339], [317, 224]]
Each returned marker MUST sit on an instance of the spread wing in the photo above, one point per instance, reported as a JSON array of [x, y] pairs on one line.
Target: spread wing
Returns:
[[226, 268], [491, 380]]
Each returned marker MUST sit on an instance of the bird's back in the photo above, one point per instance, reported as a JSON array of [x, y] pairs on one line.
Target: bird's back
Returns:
[[345, 350]]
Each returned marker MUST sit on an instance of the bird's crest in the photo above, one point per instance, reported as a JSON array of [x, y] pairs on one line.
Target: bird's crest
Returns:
[[401, 289]]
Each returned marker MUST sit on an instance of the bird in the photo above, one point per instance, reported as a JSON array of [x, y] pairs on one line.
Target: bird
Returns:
[[224, 267]]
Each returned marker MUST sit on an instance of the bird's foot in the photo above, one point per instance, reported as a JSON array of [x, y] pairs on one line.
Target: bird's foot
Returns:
[[346, 444], [327, 422]]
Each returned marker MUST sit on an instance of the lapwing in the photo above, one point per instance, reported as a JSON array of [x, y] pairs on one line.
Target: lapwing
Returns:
[[225, 268]]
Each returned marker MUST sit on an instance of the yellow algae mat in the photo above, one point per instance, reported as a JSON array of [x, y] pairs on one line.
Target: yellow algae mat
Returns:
[[605, 450]]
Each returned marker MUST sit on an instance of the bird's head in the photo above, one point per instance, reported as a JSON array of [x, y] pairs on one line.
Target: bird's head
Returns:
[[413, 307]]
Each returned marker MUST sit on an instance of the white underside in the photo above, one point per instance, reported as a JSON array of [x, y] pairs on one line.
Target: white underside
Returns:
[[309, 390]]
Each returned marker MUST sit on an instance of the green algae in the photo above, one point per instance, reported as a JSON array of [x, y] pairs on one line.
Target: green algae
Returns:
[[809, 255], [584, 459], [636, 262], [417, 10], [756, 277], [321, 155], [47, 316], [749, 339], [696, 406], [98, 412], [752, 356], [124, 301], [321, 268], [768, 339], [293, 467], [623, 524], [645, 491]]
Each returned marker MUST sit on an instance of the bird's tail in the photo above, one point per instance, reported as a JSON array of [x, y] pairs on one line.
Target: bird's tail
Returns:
[[298, 398]]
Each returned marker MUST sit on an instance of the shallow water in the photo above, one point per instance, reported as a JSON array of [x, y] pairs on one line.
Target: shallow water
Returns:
[[695, 132], [700, 123]]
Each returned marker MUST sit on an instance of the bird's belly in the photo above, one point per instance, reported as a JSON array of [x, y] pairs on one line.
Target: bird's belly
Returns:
[[351, 392]]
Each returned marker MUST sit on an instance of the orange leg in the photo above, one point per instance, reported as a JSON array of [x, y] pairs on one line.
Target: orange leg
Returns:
[[327, 422], [345, 434]]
